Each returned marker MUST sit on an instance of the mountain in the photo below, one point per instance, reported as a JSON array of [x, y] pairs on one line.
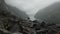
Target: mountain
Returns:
[[15, 11], [50, 14], [10, 24]]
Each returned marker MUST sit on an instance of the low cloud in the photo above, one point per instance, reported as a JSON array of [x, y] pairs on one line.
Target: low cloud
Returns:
[[30, 6]]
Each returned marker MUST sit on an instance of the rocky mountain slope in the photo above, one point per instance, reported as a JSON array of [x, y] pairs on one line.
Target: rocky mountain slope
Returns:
[[17, 12], [13, 10], [50, 13], [11, 24]]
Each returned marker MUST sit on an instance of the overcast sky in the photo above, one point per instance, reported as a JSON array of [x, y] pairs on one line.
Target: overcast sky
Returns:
[[30, 6]]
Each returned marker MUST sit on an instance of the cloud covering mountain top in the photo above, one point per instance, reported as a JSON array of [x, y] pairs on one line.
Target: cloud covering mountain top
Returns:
[[30, 6]]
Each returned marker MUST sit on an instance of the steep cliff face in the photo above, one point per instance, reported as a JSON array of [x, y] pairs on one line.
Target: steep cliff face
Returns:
[[13, 10], [19, 13], [50, 13], [3, 5]]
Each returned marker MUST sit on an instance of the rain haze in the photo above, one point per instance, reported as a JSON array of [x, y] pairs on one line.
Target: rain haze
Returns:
[[30, 7]]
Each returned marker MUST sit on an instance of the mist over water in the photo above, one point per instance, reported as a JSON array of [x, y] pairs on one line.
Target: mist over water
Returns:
[[30, 7]]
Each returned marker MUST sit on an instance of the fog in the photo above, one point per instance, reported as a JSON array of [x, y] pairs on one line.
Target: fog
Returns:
[[31, 7]]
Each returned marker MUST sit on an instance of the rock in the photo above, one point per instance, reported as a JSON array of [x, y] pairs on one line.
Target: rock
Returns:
[[11, 24]]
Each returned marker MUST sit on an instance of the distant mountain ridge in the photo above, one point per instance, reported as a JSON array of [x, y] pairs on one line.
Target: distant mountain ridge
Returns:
[[15, 11], [50, 13]]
